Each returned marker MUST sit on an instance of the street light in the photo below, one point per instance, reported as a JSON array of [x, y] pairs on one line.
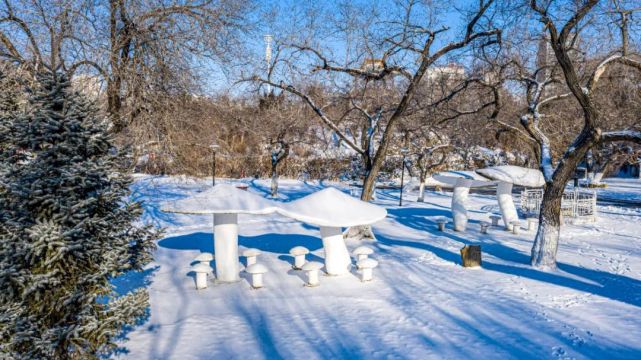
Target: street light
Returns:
[[213, 148], [404, 152]]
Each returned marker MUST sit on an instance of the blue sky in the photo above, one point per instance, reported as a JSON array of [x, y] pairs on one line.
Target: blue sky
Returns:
[[291, 13]]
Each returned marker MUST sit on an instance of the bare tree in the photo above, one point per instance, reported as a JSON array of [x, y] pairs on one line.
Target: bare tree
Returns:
[[144, 51], [591, 133], [278, 125], [428, 153], [378, 83], [607, 158]]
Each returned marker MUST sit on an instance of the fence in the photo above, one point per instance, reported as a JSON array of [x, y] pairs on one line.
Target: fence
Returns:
[[576, 205]]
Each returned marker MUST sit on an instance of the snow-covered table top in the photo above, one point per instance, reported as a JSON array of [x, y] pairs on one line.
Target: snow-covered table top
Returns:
[[516, 175], [451, 178], [222, 199], [332, 207], [328, 207]]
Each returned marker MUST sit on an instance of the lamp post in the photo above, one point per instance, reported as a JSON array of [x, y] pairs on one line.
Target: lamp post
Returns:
[[404, 152], [213, 148]]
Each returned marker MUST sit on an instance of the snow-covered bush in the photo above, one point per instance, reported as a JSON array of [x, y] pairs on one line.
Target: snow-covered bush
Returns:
[[65, 230]]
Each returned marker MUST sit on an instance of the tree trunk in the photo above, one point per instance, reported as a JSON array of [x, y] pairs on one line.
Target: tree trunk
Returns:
[[274, 186], [546, 241], [369, 181], [547, 237], [596, 179], [114, 104], [422, 175], [278, 154], [421, 190], [368, 186]]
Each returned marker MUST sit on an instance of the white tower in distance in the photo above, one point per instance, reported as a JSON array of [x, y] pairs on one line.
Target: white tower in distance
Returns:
[[268, 57]]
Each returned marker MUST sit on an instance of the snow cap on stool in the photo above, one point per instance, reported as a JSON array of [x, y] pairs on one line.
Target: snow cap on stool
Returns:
[[298, 250], [312, 266], [251, 252], [256, 269], [202, 268], [368, 263], [363, 250], [204, 257]]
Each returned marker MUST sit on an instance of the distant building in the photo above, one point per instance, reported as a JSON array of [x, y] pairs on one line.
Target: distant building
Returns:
[[449, 72], [373, 65], [545, 56]]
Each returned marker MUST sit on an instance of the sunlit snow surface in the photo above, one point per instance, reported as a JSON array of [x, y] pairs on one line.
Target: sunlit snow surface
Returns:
[[421, 304]]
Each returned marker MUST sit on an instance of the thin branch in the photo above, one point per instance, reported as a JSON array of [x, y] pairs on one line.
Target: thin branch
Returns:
[[318, 110]]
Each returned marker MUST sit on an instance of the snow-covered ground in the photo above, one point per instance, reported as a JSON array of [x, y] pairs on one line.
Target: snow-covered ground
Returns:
[[422, 304], [621, 189]]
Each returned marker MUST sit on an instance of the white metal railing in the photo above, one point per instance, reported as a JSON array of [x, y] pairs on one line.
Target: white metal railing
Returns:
[[575, 204]]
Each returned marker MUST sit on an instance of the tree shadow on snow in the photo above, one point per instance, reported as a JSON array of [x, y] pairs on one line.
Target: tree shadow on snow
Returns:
[[423, 218], [499, 322], [124, 284], [612, 286]]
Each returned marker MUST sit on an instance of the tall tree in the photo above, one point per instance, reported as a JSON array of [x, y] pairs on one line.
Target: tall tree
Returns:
[[592, 132], [143, 52], [66, 230], [377, 83]]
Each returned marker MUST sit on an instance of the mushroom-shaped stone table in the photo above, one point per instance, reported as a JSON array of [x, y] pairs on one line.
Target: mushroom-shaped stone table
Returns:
[[225, 202], [462, 185], [331, 210], [507, 176]]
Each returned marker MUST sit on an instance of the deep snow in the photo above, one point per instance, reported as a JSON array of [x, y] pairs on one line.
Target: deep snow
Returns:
[[421, 304]]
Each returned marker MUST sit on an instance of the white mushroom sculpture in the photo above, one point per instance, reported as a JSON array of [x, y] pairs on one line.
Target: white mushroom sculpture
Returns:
[[484, 226], [251, 255], [366, 266], [331, 209], [507, 176], [362, 252], [298, 252], [312, 269], [256, 271], [462, 185], [201, 271], [225, 202], [204, 258]]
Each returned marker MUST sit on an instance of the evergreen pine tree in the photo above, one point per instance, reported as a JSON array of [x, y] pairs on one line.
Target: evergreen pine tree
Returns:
[[9, 101], [66, 229]]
